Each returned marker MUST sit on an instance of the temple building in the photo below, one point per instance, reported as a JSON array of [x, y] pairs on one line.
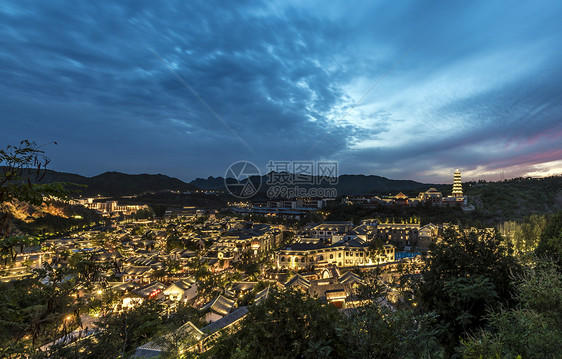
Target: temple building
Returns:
[[457, 197], [457, 184]]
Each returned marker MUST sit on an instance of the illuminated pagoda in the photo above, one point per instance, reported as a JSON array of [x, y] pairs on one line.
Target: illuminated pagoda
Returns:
[[457, 185]]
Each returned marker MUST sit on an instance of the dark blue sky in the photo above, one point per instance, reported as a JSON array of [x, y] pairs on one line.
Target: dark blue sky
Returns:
[[479, 86]]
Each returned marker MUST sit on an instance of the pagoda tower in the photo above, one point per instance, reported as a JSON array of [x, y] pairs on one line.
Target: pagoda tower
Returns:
[[457, 184]]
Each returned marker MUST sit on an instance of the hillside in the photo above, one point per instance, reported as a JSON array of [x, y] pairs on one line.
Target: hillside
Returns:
[[118, 184], [516, 198], [53, 217], [361, 184], [510, 199], [346, 184], [210, 183]]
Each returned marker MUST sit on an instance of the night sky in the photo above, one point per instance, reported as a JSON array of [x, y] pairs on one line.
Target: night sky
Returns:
[[185, 88]]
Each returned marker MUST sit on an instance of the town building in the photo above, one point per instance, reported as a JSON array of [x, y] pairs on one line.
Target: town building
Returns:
[[182, 290], [327, 231], [217, 308], [348, 252], [107, 207], [400, 234]]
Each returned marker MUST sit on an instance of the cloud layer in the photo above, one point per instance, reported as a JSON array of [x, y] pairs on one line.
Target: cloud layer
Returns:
[[472, 85]]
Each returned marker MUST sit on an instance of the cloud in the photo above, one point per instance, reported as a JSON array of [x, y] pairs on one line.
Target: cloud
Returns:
[[480, 90]]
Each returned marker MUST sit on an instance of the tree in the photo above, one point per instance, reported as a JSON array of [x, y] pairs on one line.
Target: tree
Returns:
[[21, 167], [376, 249], [550, 244], [33, 311], [287, 325], [9, 247], [524, 236], [138, 230], [463, 275], [119, 334], [533, 329], [85, 266], [374, 331]]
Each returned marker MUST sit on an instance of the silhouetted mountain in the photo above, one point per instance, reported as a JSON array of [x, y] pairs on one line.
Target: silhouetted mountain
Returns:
[[211, 183], [117, 183], [346, 184], [122, 184], [125, 184], [361, 184]]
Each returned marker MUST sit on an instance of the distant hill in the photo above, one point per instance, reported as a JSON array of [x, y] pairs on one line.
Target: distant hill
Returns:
[[211, 183], [346, 184], [516, 198], [126, 184], [510, 199], [119, 184], [122, 184], [361, 184]]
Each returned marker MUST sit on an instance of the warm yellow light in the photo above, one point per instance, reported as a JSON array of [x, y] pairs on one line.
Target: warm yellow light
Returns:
[[68, 318], [99, 291]]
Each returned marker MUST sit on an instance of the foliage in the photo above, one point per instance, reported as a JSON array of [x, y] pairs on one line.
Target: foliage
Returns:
[[86, 267], [76, 217], [464, 274], [144, 213], [138, 230], [36, 310], [423, 214], [287, 325], [516, 198], [524, 236], [531, 330], [11, 246], [550, 244], [18, 165], [495, 202], [119, 333], [375, 331]]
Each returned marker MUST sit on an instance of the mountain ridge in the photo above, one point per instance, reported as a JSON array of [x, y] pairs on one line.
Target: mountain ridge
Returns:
[[115, 183]]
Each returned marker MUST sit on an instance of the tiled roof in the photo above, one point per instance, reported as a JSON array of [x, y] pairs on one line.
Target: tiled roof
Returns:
[[360, 230], [319, 290], [221, 305], [303, 246], [188, 333], [242, 286], [298, 280], [350, 277], [225, 321], [351, 242], [184, 284], [262, 296], [137, 270], [150, 288]]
